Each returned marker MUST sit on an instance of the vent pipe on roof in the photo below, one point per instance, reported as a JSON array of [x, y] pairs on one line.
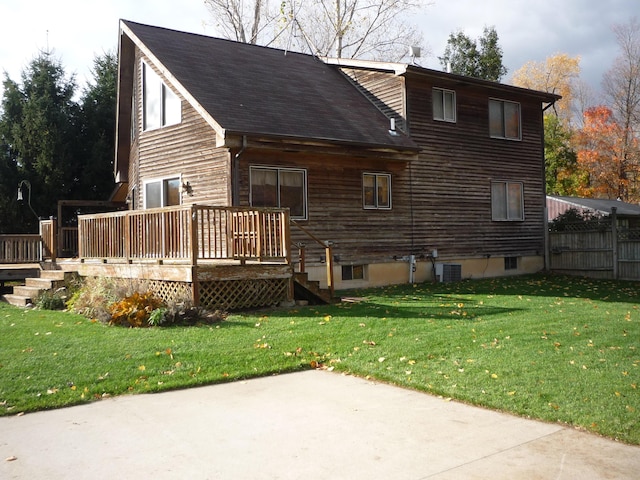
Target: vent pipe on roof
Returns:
[[392, 127]]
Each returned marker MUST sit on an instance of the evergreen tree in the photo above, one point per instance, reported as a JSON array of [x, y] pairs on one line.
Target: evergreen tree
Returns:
[[40, 130], [96, 181], [464, 56]]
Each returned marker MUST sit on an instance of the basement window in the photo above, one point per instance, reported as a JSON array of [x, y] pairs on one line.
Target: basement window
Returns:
[[510, 263], [353, 272]]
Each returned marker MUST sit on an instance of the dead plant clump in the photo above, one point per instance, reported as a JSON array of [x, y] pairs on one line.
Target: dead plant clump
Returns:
[[130, 303]]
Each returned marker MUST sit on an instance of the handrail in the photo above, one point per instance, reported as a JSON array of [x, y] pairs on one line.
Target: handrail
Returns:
[[20, 248], [327, 245]]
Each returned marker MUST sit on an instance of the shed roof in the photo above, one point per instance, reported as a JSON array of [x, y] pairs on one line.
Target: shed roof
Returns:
[[601, 205], [254, 90]]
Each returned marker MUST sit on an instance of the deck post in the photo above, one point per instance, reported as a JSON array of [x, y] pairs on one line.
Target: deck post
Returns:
[[285, 238], [193, 236], [329, 258]]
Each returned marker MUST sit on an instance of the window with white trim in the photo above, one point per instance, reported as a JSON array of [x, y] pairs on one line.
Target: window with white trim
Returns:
[[504, 119], [507, 201], [376, 190], [162, 193], [280, 187], [160, 106], [444, 105]]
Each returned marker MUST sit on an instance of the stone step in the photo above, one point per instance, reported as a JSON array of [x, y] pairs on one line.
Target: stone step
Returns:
[[16, 300], [29, 292], [43, 283], [60, 275]]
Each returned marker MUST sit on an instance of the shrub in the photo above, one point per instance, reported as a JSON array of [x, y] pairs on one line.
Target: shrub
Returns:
[[135, 310], [52, 300]]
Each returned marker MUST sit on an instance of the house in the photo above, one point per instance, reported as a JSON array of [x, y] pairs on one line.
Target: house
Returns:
[[628, 214], [399, 168]]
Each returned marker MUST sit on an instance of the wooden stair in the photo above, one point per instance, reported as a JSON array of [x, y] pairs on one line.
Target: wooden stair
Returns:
[[309, 290], [25, 295]]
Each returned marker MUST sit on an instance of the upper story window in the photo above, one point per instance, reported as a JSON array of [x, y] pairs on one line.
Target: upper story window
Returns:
[[507, 201], [376, 190], [504, 119], [162, 193], [161, 107], [280, 187], [444, 105]]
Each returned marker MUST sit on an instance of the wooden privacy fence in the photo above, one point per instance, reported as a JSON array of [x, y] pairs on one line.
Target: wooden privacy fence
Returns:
[[187, 233], [603, 252]]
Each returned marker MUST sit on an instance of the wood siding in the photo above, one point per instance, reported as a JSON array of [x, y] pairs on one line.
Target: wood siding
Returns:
[[452, 179], [440, 201], [385, 90], [186, 150], [335, 206]]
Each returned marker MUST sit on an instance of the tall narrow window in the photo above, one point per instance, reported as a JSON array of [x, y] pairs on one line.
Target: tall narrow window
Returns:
[[161, 107], [376, 190], [504, 119], [444, 105], [162, 193], [280, 187], [507, 203]]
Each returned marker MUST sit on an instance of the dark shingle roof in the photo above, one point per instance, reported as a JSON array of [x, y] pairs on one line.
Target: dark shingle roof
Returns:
[[249, 89]]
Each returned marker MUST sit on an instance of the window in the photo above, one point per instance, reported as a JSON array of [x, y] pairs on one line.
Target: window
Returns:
[[444, 105], [280, 187], [507, 202], [161, 107], [504, 119], [376, 190], [510, 263], [162, 193], [352, 272]]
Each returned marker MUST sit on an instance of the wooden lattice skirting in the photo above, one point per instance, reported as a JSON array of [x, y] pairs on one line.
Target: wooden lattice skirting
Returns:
[[240, 294], [171, 291]]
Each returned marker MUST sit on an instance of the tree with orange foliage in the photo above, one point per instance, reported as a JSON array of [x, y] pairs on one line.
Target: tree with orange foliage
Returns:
[[603, 151]]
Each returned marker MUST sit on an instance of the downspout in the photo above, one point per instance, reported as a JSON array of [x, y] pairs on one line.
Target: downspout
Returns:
[[235, 174]]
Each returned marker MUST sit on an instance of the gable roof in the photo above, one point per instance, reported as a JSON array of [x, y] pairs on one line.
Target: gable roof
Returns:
[[253, 90], [599, 205]]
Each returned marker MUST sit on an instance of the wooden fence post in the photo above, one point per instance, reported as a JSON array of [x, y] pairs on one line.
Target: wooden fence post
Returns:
[[614, 241]]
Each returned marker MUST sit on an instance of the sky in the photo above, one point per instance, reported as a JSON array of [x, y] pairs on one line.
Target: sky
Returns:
[[75, 31]]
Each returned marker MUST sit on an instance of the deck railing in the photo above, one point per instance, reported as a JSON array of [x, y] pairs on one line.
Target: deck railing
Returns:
[[187, 233], [20, 248]]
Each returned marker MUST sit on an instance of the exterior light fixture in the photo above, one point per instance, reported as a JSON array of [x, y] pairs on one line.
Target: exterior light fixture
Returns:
[[26, 183]]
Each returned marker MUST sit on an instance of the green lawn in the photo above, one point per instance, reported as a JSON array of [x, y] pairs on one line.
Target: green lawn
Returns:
[[561, 349]]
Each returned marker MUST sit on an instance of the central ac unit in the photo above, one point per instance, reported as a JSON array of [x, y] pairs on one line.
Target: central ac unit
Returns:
[[448, 272]]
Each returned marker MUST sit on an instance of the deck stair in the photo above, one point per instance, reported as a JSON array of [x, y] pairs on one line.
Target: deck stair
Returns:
[[24, 295], [305, 289]]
